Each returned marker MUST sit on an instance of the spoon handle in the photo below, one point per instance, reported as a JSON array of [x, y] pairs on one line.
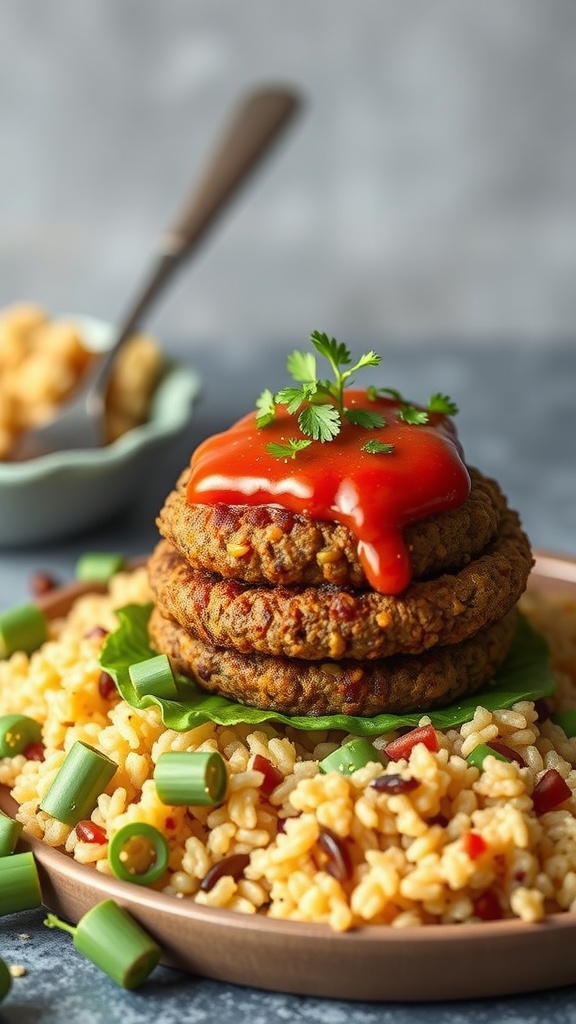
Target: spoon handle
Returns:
[[255, 124]]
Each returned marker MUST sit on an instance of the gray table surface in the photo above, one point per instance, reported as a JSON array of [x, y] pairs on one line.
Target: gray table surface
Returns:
[[517, 417]]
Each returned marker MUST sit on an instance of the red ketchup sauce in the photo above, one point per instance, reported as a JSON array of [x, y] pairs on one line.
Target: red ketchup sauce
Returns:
[[375, 496]]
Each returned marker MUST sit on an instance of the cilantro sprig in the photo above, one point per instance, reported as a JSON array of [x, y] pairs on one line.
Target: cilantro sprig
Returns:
[[319, 403]]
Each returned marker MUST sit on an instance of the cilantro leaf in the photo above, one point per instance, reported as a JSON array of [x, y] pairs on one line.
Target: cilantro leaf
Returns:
[[289, 450], [334, 351], [365, 418], [301, 366], [265, 408], [292, 398], [410, 414], [442, 403], [321, 422], [374, 447]]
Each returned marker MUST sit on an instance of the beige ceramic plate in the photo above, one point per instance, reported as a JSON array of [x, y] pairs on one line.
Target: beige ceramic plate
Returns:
[[372, 963]]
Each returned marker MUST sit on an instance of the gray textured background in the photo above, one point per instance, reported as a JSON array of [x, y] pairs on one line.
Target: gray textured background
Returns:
[[428, 192]]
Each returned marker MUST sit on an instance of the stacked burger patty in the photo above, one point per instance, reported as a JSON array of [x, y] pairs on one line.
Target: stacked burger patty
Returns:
[[273, 609]]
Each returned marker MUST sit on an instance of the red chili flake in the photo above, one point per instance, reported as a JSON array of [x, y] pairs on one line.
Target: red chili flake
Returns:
[[34, 751], [90, 832], [42, 583], [106, 686], [169, 823], [272, 775], [96, 633], [506, 751], [394, 784], [234, 866], [338, 863], [550, 791], [487, 906], [403, 745], [474, 845]]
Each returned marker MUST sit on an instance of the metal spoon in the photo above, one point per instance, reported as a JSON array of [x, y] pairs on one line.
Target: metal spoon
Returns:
[[254, 126]]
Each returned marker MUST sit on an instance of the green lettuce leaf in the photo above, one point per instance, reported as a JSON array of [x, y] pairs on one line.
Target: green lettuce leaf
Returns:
[[525, 675]]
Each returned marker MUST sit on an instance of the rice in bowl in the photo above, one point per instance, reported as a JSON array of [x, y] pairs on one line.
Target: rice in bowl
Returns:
[[461, 845]]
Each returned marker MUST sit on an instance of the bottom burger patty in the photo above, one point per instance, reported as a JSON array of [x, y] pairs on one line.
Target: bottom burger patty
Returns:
[[398, 684]]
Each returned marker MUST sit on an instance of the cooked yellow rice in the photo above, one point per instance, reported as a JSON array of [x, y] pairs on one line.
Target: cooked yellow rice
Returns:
[[407, 870]]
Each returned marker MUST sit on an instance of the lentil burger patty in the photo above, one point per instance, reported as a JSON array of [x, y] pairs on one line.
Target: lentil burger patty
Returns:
[[269, 544], [327, 622], [296, 687]]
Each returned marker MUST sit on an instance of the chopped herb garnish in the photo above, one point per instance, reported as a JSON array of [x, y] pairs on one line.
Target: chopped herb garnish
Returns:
[[288, 450], [374, 447], [319, 405]]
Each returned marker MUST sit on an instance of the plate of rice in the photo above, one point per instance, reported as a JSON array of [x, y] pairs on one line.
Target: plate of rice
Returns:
[[453, 889]]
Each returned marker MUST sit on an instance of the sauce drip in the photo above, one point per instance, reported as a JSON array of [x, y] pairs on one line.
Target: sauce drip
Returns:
[[375, 496]]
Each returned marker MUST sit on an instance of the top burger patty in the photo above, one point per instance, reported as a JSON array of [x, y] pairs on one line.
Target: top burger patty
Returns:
[[268, 544]]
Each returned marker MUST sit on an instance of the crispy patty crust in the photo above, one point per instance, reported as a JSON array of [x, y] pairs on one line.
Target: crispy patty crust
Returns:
[[294, 687], [268, 544], [321, 622]]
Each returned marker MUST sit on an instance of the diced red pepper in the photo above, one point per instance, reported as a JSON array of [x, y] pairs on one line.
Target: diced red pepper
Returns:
[[90, 832], [487, 906], [550, 791], [506, 751], [170, 824], [34, 751], [403, 745], [474, 845], [272, 775]]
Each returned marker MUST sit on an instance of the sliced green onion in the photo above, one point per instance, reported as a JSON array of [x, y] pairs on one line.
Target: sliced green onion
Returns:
[[350, 757], [190, 778], [83, 776], [138, 853], [10, 830], [19, 884], [476, 757], [99, 566], [16, 732], [5, 979], [566, 720], [154, 676], [22, 629], [109, 937]]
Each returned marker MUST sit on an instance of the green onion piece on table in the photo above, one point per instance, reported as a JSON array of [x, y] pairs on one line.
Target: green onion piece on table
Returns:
[[83, 776], [16, 732], [23, 628], [476, 757], [10, 830], [566, 720], [99, 566], [109, 937], [154, 676], [138, 853], [5, 979], [190, 778], [350, 757], [19, 884]]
